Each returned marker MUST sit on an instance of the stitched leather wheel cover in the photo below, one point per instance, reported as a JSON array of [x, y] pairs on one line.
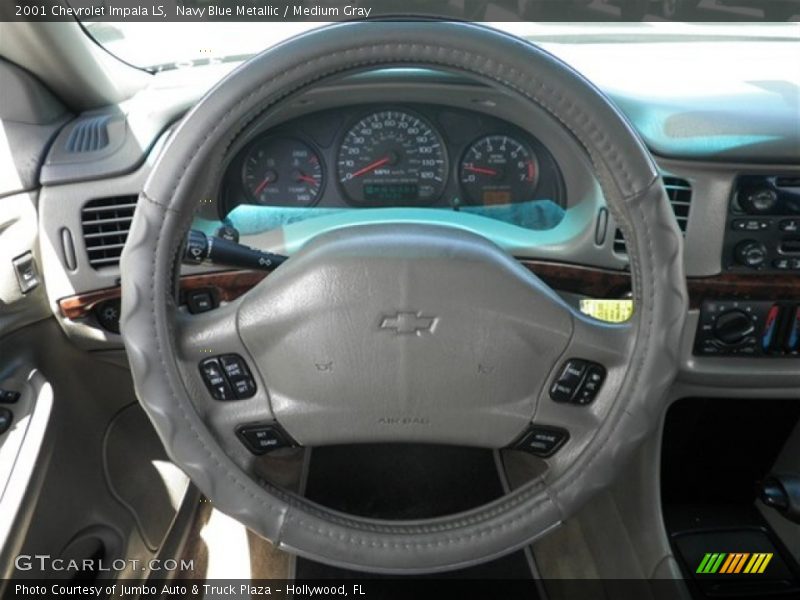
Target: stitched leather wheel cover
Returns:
[[635, 196]]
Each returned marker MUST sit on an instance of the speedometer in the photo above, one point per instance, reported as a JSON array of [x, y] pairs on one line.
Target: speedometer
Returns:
[[392, 158]]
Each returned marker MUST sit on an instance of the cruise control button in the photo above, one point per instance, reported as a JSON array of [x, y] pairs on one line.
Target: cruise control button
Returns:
[[261, 439], [243, 387], [234, 366], [215, 380], [541, 440]]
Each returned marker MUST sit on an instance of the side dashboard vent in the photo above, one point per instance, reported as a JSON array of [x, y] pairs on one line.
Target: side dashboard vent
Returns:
[[105, 223], [679, 192], [88, 135]]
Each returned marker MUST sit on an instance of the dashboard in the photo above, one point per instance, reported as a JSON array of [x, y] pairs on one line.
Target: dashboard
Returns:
[[412, 145], [397, 155]]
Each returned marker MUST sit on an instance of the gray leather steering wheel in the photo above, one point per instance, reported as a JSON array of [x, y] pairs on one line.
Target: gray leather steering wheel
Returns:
[[472, 365]]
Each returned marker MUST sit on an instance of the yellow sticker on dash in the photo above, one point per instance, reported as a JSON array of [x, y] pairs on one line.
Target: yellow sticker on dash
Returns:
[[611, 311]]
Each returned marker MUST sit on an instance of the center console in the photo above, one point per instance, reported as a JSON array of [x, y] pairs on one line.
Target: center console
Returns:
[[763, 225], [761, 245]]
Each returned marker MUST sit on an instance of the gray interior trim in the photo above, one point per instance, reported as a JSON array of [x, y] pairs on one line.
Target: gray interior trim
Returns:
[[80, 72], [20, 449]]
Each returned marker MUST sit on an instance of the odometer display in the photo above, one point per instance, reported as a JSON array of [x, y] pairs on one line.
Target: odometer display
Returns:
[[392, 157], [498, 169]]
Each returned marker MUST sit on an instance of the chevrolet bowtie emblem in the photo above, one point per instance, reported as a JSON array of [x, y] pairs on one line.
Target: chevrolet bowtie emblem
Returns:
[[407, 323]]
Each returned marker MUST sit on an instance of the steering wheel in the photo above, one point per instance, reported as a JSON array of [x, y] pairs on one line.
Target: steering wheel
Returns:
[[404, 332]]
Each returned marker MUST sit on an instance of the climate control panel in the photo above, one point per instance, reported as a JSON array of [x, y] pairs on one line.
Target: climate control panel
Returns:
[[749, 329], [763, 226]]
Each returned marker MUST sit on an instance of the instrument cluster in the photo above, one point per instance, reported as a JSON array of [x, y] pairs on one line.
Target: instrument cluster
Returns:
[[392, 156]]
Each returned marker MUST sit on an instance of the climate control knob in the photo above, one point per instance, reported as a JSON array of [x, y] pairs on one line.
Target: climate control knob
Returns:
[[751, 253], [733, 327]]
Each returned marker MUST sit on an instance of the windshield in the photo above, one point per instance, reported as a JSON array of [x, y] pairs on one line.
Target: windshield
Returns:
[[181, 44]]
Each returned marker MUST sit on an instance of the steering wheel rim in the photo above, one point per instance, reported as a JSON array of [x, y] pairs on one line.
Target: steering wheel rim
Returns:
[[160, 348]]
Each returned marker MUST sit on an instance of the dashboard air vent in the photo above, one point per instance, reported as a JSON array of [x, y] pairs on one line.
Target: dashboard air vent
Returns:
[[88, 135], [679, 192], [105, 223]]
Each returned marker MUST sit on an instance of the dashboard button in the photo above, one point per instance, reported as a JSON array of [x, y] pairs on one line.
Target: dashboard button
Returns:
[[541, 440], [261, 439], [789, 225], [26, 271], [8, 396]]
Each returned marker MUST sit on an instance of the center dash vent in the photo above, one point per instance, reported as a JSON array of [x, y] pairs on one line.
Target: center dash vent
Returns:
[[88, 135], [679, 192], [105, 223]]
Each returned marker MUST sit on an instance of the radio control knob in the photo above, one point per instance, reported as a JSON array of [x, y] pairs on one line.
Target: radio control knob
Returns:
[[751, 253], [760, 201], [733, 327]]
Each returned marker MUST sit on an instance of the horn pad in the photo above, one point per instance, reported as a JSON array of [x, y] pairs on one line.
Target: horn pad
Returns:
[[404, 333]]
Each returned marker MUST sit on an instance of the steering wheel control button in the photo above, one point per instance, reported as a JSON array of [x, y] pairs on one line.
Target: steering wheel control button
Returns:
[[239, 377], [261, 439], [578, 382], [200, 301], [228, 378], [595, 375], [215, 380], [6, 417], [541, 440], [565, 387]]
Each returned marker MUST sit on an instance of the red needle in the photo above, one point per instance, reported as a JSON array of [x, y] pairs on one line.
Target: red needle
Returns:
[[262, 186], [307, 179], [371, 167], [481, 170]]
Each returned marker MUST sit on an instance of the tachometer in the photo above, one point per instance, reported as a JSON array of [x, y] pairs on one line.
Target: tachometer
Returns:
[[392, 158], [282, 171], [498, 169]]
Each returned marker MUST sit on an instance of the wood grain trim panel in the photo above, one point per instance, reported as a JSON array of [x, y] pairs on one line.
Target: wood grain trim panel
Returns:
[[229, 285], [577, 279]]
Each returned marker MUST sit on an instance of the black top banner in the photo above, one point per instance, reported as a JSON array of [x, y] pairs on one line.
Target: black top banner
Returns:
[[342, 10]]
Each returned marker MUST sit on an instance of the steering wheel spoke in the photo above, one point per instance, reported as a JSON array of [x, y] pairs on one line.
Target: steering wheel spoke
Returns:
[[219, 372]]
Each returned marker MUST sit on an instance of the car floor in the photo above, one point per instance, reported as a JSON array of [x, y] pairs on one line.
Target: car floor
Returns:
[[382, 481]]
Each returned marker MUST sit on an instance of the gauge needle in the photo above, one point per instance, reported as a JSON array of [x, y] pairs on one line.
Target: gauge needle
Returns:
[[371, 167], [263, 185], [307, 179], [481, 170]]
